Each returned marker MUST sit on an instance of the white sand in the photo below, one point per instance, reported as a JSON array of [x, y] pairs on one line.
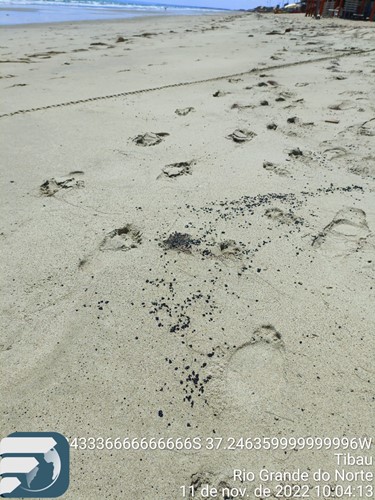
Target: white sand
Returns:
[[271, 301]]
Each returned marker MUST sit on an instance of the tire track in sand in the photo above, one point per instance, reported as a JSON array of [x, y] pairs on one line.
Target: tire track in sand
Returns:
[[185, 84]]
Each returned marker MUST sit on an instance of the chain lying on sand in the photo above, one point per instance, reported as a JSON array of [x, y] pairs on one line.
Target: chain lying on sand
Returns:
[[195, 82]]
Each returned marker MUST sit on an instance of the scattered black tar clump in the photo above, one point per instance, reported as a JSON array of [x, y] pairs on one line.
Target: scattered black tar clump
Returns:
[[183, 314], [292, 119], [295, 152], [181, 242]]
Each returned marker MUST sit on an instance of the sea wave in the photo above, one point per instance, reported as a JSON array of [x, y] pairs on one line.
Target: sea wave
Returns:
[[104, 3]]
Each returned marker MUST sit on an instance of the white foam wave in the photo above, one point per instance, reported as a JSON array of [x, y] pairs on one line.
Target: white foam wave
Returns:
[[100, 3]]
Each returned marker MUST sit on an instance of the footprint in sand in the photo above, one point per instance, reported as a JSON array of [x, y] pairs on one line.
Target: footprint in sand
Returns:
[[98, 44], [255, 372], [52, 186], [241, 135], [180, 242], [345, 234], [276, 169], [125, 238], [149, 139], [46, 55], [186, 243], [216, 480], [176, 169], [365, 168], [240, 107], [17, 85], [278, 215], [225, 249], [4, 347], [271, 126], [359, 165], [184, 111], [367, 129], [342, 106], [220, 93], [295, 152], [335, 152], [145, 35]]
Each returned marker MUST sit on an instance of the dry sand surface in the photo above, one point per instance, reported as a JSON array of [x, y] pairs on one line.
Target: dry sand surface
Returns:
[[194, 260]]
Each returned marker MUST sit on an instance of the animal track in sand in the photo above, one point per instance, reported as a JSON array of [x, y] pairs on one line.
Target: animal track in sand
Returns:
[[345, 234], [149, 138], [125, 238], [184, 111], [241, 135], [176, 169], [52, 186], [255, 371]]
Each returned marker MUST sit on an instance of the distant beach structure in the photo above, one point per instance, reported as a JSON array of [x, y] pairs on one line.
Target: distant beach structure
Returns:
[[347, 9]]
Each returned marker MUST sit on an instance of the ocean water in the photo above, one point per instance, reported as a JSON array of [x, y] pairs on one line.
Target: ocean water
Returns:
[[50, 11]]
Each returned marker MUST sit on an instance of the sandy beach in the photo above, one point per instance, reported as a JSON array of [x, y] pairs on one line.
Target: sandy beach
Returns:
[[187, 242]]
